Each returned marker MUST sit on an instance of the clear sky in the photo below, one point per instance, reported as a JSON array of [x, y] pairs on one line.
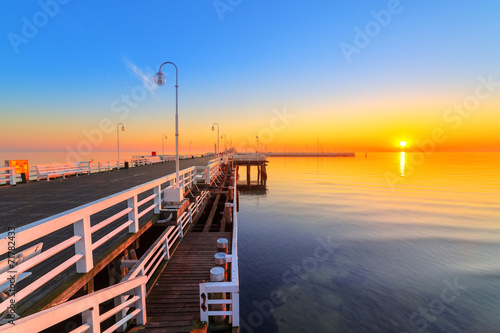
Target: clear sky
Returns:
[[339, 75]]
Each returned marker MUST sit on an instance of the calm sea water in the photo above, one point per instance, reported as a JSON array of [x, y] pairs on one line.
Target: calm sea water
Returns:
[[388, 243]]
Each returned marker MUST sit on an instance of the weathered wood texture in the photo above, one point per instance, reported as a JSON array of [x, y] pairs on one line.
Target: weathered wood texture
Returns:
[[173, 303]]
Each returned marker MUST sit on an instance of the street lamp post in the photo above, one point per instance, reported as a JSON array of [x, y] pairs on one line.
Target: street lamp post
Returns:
[[118, 138], [213, 129], [163, 137], [160, 80], [224, 135], [257, 137], [190, 142]]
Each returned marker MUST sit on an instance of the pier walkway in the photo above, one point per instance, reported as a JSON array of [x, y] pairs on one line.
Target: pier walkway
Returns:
[[174, 302], [26, 203], [105, 227]]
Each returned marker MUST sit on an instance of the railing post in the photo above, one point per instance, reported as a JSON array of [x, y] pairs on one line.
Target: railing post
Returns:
[[84, 245], [235, 308], [157, 199], [13, 176], [132, 215], [190, 212], [99, 166], [203, 303], [91, 317], [166, 250], [120, 314], [179, 226], [141, 304]]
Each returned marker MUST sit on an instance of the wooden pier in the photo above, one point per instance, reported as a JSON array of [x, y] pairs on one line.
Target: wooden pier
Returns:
[[123, 217]]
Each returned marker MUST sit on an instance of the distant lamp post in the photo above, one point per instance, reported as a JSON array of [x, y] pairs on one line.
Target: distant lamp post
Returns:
[[118, 138], [163, 137], [213, 129], [224, 135], [160, 80], [190, 142], [257, 137]]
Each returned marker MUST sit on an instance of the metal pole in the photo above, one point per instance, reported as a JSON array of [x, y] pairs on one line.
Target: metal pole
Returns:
[[118, 139], [217, 150]]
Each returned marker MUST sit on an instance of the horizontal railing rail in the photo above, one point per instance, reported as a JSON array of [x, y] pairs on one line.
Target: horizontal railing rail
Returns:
[[232, 287], [248, 157], [89, 308], [8, 175]]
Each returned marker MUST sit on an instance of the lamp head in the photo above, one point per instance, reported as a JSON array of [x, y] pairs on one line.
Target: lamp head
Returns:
[[123, 128], [159, 79], [213, 128]]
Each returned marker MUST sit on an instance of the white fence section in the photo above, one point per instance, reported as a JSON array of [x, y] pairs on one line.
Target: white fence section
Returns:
[[79, 219], [206, 175], [103, 166], [8, 175], [88, 307], [232, 287], [248, 157]]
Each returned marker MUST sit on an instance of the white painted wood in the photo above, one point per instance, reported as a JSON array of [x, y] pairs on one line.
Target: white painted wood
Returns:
[[118, 308], [39, 282], [49, 317], [132, 215], [81, 329], [111, 234], [203, 313], [140, 304], [219, 301], [157, 193], [235, 308], [8, 174], [27, 264], [91, 317], [122, 322], [110, 220], [84, 245], [80, 219]]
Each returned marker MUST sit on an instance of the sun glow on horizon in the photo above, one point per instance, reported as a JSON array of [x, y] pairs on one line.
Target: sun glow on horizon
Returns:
[[403, 144]]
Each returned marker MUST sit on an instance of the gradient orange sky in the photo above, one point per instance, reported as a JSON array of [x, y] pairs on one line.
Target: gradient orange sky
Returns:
[[286, 79]]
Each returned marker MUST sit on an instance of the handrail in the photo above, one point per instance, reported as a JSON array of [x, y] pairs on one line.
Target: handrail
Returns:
[[88, 307], [8, 174], [206, 288]]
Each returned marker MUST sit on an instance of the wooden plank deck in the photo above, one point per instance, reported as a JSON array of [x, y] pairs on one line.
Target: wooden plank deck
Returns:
[[173, 303]]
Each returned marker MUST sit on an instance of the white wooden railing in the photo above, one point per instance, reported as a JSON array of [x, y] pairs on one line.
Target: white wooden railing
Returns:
[[248, 157], [88, 307], [8, 175], [129, 295], [81, 240], [232, 287], [206, 174]]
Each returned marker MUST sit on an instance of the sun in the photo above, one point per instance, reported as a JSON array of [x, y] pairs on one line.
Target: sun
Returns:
[[402, 144]]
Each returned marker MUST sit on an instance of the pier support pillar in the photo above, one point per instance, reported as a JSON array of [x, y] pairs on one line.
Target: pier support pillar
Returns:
[[248, 175]]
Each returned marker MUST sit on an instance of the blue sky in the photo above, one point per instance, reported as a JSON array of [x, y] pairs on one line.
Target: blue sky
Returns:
[[262, 56]]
